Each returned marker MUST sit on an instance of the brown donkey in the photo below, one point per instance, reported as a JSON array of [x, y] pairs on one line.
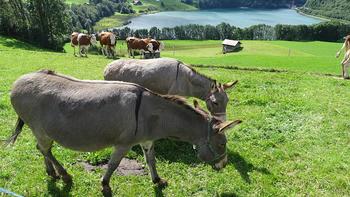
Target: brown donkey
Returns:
[[92, 115]]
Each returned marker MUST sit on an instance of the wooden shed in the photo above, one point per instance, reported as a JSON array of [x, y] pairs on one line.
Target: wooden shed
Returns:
[[230, 46]]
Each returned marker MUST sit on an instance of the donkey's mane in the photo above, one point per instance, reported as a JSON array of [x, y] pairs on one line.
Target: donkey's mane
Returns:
[[198, 73], [175, 99], [180, 101]]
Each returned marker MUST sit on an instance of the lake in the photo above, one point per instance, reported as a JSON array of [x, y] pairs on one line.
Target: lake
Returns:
[[241, 17]]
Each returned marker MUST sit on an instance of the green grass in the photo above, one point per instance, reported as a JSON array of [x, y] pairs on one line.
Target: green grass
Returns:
[[294, 140], [169, 5], [317, 57], [116, 20], [77, 1]]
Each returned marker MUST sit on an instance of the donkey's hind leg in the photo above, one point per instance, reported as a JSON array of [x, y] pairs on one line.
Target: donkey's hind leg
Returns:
[[148, 150], [51, 161], [50, 170], [113, 164]]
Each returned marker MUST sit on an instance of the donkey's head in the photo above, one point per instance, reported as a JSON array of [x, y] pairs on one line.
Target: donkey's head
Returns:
[[217, 99], [212, 148]]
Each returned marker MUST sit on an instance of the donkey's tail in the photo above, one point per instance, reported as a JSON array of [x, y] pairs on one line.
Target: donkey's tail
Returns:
[[15, 134]]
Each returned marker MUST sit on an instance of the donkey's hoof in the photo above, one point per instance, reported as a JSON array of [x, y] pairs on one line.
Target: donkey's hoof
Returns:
[[162, 183], [67, 178], [106, 191], [54, 177]]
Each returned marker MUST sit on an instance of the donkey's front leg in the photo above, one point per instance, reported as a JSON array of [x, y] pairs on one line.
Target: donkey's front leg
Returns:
[[113, 163], [148, 150]]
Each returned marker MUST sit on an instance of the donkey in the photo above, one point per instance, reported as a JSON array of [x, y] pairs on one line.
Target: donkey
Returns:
[[170, 76], [92, 115], [346, 60]]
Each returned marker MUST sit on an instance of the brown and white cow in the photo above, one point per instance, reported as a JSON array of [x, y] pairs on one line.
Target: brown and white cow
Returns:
[[83, 41], [108, 42], [157, 46], [346, 60], [142, 45]]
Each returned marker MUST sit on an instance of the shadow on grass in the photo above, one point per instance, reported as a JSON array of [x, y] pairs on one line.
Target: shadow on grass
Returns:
[[13, 43], [175, 151], [172, 151], [54, 190], [228, 195], [244, 167], [158, 191]]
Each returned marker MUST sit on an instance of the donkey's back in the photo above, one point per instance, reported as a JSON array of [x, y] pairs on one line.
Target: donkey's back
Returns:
[[158, 75], [80, 115]]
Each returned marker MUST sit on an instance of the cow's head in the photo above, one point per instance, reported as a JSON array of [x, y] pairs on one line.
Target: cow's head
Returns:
[[150, 47]]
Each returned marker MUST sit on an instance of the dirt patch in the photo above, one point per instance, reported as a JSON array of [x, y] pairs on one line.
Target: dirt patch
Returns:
[[126, 167]]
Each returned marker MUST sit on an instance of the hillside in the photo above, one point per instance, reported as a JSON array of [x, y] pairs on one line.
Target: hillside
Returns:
[[338, 9], [203, 4]]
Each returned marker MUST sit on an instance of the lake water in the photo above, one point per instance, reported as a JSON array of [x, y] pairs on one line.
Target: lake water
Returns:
[[242, 17]]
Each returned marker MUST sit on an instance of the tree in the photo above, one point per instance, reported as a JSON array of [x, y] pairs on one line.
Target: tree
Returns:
[[49, 22]]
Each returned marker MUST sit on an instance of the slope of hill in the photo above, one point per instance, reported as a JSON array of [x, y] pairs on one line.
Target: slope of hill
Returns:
[[338, 9], [250, 3]]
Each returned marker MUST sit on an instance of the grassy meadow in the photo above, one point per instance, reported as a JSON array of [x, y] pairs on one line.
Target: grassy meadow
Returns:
[[294, 140], [77, 1]]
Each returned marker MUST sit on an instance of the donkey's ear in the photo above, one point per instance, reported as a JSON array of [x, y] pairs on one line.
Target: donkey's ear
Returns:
[[213, 87], [222, 127], [195, 103], [230, 84], [198, 107]]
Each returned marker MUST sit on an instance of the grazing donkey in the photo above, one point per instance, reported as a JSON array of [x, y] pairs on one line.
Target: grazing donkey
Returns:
[[346, 60], [170, 76], [92, 115]]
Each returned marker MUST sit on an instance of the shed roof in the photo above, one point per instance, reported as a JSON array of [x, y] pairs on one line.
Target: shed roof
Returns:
[[231, 42]]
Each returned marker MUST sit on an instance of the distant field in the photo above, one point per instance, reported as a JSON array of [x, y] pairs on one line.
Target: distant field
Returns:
[[76, 1], [169, 5], [294, 139], [315, 57], [116, 20], [293, 56]]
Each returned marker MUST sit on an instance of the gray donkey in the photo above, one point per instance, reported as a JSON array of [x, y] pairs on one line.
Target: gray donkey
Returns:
[[170, 76], [92, 115]]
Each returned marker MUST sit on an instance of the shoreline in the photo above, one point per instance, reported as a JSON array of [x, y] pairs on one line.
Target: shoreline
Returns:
[[311, 16], [131, 16]]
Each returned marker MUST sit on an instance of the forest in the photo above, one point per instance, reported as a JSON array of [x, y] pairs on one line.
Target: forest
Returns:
[[338, 9]]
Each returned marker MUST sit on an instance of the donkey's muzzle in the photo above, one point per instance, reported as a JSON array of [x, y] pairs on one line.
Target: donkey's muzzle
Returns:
[[220, 164]]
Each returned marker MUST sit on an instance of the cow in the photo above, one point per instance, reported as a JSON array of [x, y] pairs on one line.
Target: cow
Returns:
[[143, 45], [108, 42], [346, 60], [83, 41], [157, 46]]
